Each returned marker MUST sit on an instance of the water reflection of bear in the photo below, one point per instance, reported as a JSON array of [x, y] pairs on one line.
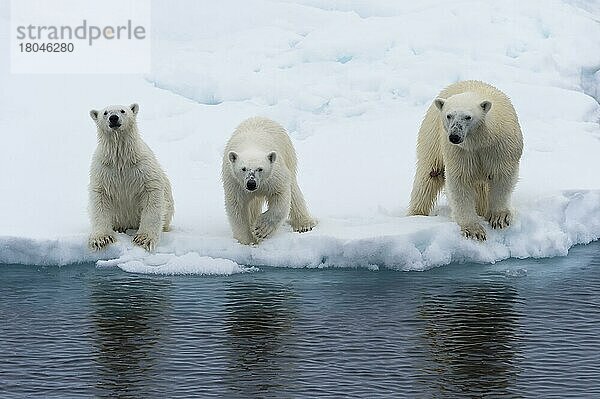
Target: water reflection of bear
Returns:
[[128, 314], [471, 338], [258, 321]]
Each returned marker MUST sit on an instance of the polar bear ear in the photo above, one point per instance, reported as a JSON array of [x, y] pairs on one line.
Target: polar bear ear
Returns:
[[233, 156], [134, 108], [439, 103], [485, 106], [272, 156], [94, 114]]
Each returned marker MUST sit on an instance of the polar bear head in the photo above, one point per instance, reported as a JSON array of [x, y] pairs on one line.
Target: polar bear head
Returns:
[[115, 118], [461, 114], [251, 169]]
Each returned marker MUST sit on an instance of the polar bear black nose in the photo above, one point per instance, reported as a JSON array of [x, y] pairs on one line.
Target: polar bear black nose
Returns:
[[454, 138], [113, 119], [251, 185]]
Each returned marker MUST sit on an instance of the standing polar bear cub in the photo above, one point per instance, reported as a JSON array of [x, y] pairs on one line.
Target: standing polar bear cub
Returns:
[[471, 140], [128, 188], [259, 164]]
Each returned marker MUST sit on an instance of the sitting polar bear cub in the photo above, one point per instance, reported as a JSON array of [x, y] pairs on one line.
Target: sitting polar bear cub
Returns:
[[128, 188], [260, 164], [471, 138]]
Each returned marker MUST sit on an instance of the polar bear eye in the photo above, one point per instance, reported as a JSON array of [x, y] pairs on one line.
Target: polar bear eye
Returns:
[[259, 170], [243, 169], [468, 117], [105, 113], [448, 116], [122, 111]]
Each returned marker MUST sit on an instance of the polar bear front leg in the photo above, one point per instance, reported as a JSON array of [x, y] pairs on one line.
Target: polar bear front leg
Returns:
[[151, 220], [481, 198], [278, 210], [501, 187], [461, 197], [237, 209], [300, 218], [428, 182], [101, 218], [169, 208]]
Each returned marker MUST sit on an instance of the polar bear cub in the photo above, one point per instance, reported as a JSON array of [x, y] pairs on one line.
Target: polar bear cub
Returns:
[[128, 189], [259, 164], [471, 140]]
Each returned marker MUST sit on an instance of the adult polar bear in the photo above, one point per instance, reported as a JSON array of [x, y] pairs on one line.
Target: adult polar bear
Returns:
[[471, 138], [259, 164], [128, 189]]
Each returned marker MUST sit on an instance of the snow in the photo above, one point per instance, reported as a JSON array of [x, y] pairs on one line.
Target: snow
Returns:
[[350, 81], [137, 260]]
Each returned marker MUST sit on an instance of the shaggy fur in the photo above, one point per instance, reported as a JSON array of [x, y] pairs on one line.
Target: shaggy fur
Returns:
[[481, 170], [260, 154], [128, 189]]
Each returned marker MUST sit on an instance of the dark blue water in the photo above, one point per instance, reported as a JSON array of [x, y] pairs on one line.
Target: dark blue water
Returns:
[[515, 329]]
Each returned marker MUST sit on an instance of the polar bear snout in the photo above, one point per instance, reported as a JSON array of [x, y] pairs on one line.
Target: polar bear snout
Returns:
[[455, 139], [251, 184], [457, 132], [114, 122]]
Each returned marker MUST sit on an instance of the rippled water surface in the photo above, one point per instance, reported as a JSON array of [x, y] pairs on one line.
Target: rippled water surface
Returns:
[[517, 329]]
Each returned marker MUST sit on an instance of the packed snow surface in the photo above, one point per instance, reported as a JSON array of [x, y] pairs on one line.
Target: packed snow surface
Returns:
[[350, 81]]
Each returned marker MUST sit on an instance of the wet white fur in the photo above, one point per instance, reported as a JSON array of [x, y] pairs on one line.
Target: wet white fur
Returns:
[[249, 147], [482, 171], [128, 189]]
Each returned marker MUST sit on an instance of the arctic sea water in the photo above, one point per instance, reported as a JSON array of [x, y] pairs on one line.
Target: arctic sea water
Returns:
[[519, 328]]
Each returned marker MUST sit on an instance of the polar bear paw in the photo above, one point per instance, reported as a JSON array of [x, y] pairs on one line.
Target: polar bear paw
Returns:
[[99, 241], [304, 225], [473, 230], [263, 228], [146, 241], [500, 219]]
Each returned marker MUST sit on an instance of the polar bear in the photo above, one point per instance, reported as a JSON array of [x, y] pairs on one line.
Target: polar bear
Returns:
[[128, 189], [471, 140], [259, 164]]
